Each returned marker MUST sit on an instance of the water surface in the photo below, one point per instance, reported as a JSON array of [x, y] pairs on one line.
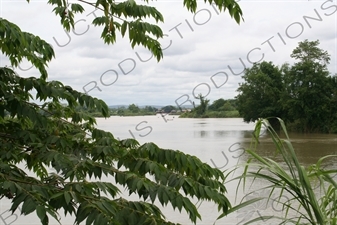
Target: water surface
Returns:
[[218, 142]]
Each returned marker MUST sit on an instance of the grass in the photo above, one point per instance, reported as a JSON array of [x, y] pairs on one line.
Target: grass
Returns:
[[212, 114], [303, 205]]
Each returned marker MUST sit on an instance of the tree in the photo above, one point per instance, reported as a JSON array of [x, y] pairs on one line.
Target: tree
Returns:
[[332, 107], [49, 134], [168, 108], [259, 96], [309, 88], [121, 111], [308, 52], [227, 107], [200, 110], [133, 108], [217, 104], [302, 94], [150, 109], [223, 105]]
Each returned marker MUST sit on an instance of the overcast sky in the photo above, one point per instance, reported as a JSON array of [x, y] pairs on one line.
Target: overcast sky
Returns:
[[205, 52]]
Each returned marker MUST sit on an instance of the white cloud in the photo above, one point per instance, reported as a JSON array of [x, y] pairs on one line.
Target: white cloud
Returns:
[[197, 52]]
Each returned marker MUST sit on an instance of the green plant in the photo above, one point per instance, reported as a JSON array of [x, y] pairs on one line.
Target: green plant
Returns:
[[303, 94], [303, 205]]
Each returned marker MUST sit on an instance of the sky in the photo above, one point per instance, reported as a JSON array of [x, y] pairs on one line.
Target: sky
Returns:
[[205, 53]]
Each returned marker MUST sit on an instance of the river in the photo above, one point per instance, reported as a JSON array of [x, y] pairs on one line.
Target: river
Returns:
[[218, 142]]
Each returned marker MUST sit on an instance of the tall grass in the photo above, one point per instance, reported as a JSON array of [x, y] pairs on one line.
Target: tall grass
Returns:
[[303, 205]]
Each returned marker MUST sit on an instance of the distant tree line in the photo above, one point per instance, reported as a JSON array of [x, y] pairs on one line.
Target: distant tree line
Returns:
[[132, 110], [220, 108], [304, 94]]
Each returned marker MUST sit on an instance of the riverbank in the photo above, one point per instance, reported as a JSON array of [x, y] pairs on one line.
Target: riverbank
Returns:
[[212, 114]]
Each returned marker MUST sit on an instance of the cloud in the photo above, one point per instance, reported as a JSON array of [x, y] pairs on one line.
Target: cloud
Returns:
[[202, 50]]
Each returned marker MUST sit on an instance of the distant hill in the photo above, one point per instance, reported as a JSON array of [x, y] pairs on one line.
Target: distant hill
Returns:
[[143, 106], [140, 106], [117, 106]]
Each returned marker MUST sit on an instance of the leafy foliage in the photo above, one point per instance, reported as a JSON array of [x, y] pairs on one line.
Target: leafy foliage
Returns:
[[129, 17], [168, 108], [260, 94], [220, 108], [302, 94], [42, 130], [133, 108], [201, 109], [310, 89], [17, 45]]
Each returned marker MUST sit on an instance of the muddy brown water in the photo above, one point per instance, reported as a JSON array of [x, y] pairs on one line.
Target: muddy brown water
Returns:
[[218, 142]]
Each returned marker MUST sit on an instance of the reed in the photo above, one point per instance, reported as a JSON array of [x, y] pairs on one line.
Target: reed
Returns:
[[303, 204]]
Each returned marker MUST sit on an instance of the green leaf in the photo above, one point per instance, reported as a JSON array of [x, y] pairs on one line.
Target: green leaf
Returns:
[[67, 197], [41, 212], [77, 8], [28, 206], [123, 28]]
